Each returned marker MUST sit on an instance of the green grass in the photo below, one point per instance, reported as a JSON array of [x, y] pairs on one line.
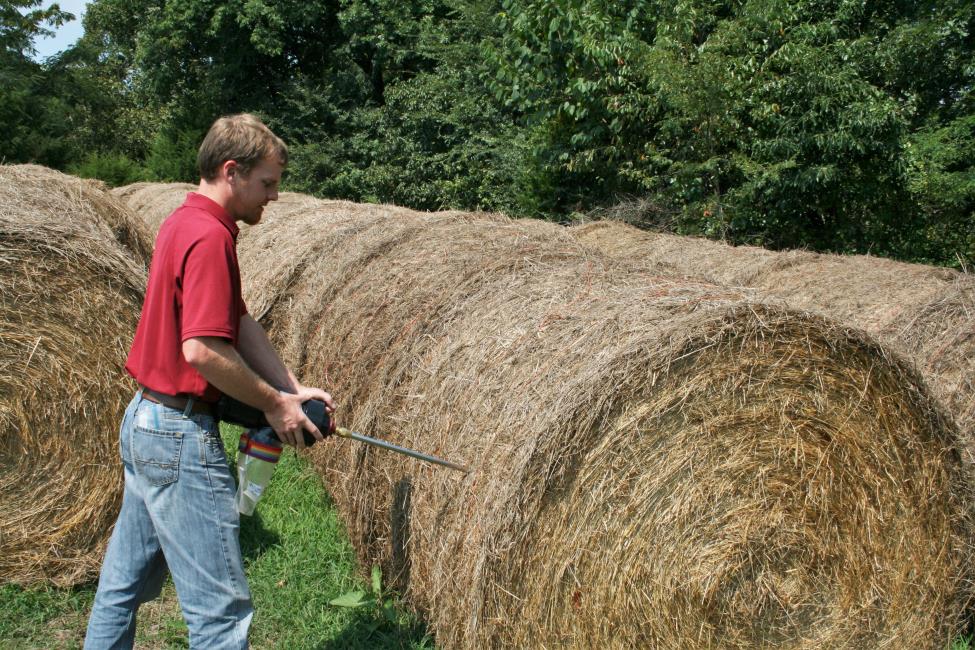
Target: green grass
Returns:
[[298, 557]]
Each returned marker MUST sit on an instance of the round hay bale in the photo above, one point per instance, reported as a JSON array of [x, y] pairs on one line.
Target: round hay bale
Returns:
[[656, 463], [88, 196], [692, 257], [269, 275], [125, 192], [70, 294], [868, 292], [924, 312], [153, 202], [939, 334]]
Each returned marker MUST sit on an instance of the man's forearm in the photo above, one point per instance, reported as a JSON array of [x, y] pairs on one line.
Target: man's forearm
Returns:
[[256, 350], [221, 365]]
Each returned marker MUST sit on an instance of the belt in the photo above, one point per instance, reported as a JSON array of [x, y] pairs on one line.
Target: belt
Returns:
[[177, 402]]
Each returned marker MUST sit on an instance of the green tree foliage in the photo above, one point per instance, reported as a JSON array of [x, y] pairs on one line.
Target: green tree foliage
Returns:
[[198, 58], [29, 111], [108, 51], [69, 111], [410, 121], [575, 71], [787, 123], [22, 21], [113, 168], [830, 124], [941, 180]]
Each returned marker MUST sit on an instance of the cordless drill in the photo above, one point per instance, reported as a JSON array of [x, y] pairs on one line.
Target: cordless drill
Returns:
[[236, 412]]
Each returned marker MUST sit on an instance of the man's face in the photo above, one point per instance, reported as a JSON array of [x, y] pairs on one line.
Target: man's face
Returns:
[[252, 191]]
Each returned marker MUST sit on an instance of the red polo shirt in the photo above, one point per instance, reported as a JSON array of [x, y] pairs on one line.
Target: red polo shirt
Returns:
[[193, 290]]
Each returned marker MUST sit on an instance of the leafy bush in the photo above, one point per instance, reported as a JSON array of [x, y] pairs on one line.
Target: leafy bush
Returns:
[[172, 155], [114, 168], [836, 126]]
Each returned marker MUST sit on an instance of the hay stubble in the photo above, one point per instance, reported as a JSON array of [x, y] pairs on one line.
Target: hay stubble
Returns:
[[923, 312]]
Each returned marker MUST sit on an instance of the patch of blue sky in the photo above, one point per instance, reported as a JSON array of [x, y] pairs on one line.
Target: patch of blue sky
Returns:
[[64, 36]]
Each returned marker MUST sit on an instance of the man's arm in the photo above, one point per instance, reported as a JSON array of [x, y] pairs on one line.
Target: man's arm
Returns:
[[221, 365], [257, 351]]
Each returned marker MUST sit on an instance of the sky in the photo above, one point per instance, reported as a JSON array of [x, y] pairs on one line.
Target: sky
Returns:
[[64, 36]]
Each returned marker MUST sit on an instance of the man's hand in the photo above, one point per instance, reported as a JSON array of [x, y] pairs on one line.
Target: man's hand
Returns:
[[256, 350], [222, 365], [289, 421], [307, 393]]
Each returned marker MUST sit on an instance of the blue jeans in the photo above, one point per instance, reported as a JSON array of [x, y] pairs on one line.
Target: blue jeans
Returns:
[[178, 512]]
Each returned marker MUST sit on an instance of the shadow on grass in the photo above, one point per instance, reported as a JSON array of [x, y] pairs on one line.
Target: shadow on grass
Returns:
[[255, 539], [369, 627]]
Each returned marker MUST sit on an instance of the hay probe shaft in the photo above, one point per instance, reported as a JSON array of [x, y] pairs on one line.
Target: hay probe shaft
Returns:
[[406, 451]]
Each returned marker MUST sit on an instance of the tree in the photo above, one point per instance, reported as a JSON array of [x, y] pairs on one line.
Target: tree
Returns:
[[417, 125], [28, 111], [574, 71], [21, 22], [781, 122]]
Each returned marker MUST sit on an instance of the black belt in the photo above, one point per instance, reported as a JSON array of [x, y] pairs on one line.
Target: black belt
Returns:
[[177, 402]]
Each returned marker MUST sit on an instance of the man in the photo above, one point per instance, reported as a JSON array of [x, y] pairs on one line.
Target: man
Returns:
[[195, 340]]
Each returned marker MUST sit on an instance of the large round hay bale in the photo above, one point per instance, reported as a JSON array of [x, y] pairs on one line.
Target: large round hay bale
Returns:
[[126, 192], [938, 332], [925, 312], [656, 463], [70, 293], [153, 202], [693, 257], [88, 196]]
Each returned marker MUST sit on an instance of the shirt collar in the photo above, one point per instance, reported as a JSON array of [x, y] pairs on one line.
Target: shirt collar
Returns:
[[195, 200]]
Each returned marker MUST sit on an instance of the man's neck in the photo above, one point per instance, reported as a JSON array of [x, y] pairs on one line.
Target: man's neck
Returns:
[[217, 192]]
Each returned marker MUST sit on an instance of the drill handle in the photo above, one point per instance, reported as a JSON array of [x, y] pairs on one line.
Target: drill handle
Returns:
[[236, 412]]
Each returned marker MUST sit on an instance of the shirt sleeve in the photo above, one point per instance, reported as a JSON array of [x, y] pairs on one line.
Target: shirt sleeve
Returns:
[[210, 289]]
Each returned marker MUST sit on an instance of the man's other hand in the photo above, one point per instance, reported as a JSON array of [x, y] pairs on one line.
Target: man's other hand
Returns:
[[308, 392]]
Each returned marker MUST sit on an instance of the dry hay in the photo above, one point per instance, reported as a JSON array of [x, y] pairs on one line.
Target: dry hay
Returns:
[[125, 192], [925, 312], [92, 197], [656, 463], [153, 202], [940, 335], [70, 293], [692, 257]]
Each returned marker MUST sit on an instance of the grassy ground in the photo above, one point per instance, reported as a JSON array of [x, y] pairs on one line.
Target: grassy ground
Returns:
[[298, 558]]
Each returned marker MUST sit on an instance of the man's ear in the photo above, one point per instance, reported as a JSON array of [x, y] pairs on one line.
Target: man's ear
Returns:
[[230, 170]]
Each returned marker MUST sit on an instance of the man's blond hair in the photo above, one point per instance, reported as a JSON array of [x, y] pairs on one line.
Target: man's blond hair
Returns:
[[242, 138]]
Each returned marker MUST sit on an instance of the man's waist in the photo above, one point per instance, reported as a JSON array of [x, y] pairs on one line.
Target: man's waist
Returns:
[[178, 402]]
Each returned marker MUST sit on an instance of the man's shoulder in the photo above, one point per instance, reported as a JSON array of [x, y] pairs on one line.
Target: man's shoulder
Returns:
[[189, 223], [187, 233]]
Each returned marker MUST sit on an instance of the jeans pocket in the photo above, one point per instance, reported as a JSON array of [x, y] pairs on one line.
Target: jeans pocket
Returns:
[[212, 452], [156, 455]]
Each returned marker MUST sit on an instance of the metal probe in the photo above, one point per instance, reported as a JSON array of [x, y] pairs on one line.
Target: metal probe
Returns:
[[345, 433]]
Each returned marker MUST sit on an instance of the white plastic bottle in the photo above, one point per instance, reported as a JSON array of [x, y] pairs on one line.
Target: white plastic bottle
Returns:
[[257, 454]]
